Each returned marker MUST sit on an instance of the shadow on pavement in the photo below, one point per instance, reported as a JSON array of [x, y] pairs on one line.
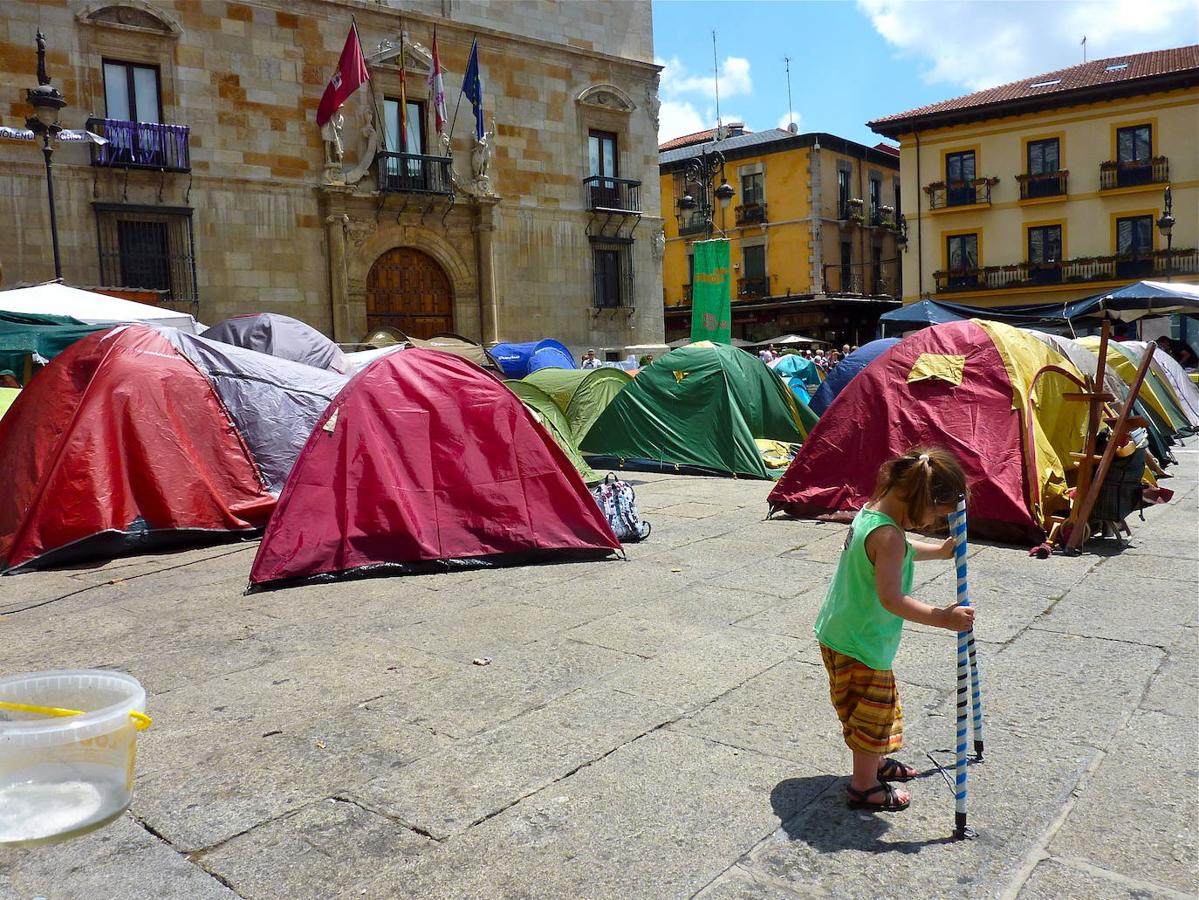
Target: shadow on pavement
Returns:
[[835, 827]]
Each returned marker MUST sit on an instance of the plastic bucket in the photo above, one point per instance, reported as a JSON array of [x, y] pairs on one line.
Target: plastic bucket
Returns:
[[66, 767]]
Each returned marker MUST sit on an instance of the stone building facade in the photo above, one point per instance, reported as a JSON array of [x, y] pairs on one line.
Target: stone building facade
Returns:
[[218, 190]]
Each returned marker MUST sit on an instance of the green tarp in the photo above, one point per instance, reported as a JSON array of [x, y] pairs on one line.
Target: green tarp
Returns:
[[546, 411], [701, 407], [23, 334], [711, 315], [581, 394]]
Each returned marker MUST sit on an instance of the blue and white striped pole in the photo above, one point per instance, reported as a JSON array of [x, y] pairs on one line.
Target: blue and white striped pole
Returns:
[[969, 692]]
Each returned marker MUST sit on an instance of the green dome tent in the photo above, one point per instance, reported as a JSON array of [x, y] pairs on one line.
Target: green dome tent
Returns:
[[700, 407], [547, 413], [582, 394]]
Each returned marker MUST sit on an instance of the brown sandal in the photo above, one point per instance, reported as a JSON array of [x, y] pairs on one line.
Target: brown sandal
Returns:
[[894, 770], [891, 802]]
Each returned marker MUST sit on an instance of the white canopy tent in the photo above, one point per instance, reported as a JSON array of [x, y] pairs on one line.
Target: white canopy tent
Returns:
[[57, 299]]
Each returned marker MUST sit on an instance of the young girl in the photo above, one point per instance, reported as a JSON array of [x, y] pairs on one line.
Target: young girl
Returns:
[[862, 617]]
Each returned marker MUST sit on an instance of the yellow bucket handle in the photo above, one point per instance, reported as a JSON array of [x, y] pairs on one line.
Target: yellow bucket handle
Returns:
[[140, 720]]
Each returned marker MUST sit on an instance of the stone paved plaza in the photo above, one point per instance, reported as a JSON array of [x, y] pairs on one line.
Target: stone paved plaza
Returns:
[[652, 728]]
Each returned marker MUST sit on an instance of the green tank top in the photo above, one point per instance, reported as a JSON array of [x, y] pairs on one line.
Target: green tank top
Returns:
[[852, 620]]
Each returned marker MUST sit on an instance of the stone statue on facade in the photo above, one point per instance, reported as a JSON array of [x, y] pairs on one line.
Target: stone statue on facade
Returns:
[[659, 243], [480, 162], [368, 146], [334, 152]]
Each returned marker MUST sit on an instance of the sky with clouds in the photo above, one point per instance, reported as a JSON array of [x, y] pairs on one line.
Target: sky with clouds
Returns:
[[855, 61]]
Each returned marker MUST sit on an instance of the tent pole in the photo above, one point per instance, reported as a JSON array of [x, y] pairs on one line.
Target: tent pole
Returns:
[[1095, 401]]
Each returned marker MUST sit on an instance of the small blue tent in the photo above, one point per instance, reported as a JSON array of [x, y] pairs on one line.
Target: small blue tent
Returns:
[[518, 360], [843, 373], [801, 374]]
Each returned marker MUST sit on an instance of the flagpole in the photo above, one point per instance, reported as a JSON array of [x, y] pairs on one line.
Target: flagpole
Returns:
[[380, 124], [454, 121]]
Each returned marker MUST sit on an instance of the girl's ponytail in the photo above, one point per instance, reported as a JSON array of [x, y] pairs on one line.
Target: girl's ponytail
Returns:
[[923, 479]]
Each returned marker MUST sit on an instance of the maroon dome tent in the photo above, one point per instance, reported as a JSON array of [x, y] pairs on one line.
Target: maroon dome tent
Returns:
[[424, 462]]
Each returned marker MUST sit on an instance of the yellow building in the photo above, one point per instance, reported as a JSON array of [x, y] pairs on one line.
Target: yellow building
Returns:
[[811, 226], [1054, 187]]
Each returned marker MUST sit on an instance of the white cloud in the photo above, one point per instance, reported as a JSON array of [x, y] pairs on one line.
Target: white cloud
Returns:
[[981, 44], [677, 79], [786, 118], [676, 119]]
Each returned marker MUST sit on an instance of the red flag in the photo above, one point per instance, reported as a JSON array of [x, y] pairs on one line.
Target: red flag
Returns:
[[351, 74], [436, 87]]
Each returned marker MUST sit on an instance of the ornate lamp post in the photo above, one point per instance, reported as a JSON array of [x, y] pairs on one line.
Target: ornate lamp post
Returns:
[[1166, 226], [702, 170], [47, 103]]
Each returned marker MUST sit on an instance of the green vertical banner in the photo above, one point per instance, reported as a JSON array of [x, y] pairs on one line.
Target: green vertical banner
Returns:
[[711, 315]]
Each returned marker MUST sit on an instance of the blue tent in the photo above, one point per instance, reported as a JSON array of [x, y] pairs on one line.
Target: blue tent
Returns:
[[518, 360], [801, 374], [843, 373]]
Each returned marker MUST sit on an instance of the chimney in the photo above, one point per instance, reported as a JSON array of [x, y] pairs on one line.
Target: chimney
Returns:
[[735, 129]]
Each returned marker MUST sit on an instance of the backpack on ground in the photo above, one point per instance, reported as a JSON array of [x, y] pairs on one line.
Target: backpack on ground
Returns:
[[618, 503]]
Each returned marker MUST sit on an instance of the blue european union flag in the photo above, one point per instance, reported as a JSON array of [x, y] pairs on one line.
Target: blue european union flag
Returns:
[[472, 88]]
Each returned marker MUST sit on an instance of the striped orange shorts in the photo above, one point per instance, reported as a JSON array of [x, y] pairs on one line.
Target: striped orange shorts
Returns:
[[867, 703]]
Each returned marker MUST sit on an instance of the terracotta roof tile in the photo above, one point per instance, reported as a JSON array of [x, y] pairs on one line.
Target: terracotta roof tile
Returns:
[[1113, 70], [688, 139]]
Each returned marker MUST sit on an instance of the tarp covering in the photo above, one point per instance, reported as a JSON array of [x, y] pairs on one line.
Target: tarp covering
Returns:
[[120, 442], [274, 402], [518, 360], [89, 307], [426, 461], [550, 417], [920, 314], [802, 375], [280, 336], [1140, 299], [581, 394], [1006, 394], [700, 406], [360, 359], [22, 334], [844, 371], [1174, 377]]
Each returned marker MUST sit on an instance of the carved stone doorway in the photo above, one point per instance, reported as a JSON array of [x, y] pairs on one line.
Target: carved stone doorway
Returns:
[[407, 290]]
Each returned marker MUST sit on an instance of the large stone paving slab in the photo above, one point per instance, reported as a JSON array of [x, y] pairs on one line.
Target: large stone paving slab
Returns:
[[330, 848], [1054, 879], [1014, 797], [1138, 815], [657, 818], [472, 779], [123, 860]]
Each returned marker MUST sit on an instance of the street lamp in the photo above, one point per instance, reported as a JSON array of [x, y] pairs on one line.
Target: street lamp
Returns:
[[1166, 226], [702, 170], [47, 103]]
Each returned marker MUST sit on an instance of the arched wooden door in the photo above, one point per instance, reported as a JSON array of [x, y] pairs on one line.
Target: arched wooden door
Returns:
[[407, 290]]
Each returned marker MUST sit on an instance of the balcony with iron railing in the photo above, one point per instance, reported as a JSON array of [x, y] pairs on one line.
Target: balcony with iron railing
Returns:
[[612, 194], [1042, 184], [946, 194], [140, 145], [754, 286], [750, 213], [866, 279], [414, 173], [1113, 174], [1151, 264], [692, 222]]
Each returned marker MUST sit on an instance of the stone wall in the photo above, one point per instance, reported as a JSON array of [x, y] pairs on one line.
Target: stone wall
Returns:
[[247, 78]]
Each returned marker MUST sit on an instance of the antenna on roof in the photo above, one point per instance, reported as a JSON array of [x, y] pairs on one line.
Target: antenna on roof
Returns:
[[790, 114], [716, 78], [1084, 48]]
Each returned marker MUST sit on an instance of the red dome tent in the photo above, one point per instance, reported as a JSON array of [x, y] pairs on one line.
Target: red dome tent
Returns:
[[982, 390], [99, 455], [426, 462]]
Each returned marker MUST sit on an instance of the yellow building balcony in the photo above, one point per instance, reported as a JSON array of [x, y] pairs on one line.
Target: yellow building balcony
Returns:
[[1025, 275], [750, 214], [1113, 174], [754, 286], [946, 194], [1042, 184]]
